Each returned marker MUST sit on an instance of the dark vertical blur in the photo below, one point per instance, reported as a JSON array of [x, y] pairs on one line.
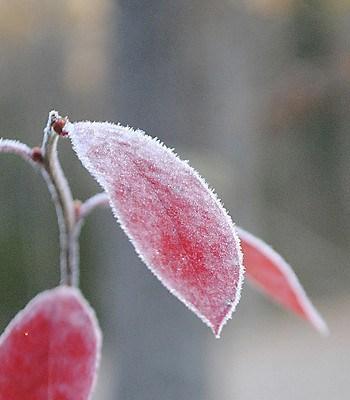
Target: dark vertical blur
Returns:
[[158, 357]]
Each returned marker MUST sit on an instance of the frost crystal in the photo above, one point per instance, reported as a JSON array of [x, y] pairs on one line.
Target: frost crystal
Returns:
[[175, 222]]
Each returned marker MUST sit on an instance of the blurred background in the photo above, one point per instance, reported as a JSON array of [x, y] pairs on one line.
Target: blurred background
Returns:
[[255, 93]]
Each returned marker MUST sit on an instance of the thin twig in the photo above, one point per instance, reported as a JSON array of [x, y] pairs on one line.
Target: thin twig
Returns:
[[98, 200], [17, 148], [85, 209], [70, 215], [64, 204]]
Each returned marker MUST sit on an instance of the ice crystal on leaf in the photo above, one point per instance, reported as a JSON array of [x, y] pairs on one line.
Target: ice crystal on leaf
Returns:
[[175, 222], [51, 349]]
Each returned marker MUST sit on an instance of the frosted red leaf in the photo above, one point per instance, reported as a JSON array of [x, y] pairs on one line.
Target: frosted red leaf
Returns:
[[270, 272], [51, 349], [175, 222]]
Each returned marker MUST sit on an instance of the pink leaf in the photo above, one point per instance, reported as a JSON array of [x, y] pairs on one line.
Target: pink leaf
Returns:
[[51, 349], [177, 225], [270, 272]]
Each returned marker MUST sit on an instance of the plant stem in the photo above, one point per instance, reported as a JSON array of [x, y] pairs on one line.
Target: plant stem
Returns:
[[17, 148], [70, 214], [98, 200], [86, 208], [64, 204]]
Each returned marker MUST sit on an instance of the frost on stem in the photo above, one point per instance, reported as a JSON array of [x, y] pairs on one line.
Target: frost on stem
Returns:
[[176, 223], [98, 200], [46, 160], [62, 198], [17, 148]]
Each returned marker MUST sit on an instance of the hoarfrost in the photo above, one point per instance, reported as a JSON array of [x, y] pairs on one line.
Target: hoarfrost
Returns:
[[175, 222]]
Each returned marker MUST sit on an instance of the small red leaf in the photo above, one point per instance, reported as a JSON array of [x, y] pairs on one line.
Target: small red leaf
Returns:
[[271, 273], [51, 349], [177, 225]]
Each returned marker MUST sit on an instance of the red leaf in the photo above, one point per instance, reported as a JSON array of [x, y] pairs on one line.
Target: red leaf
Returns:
[[271, 273], [177, 225], [51, 349]]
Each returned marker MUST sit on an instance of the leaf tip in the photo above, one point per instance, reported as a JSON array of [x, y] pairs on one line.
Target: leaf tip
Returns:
[[315, 318]]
